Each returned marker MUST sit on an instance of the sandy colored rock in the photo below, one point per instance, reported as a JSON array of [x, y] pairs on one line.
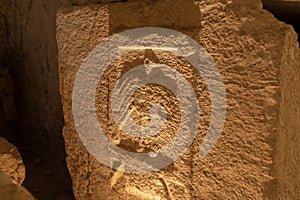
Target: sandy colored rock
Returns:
[[257, 155], [11, 162], [11, 191]]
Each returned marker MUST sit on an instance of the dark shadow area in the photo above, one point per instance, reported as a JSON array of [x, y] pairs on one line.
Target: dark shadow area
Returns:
[[47, 176], [287, 11], [29, 52]]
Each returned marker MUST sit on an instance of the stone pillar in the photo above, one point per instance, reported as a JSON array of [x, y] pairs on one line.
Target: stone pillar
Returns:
[[257, 155]]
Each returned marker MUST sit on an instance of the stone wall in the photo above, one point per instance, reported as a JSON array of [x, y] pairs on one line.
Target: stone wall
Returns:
[[8, 113], [29, 51], [257, 154]]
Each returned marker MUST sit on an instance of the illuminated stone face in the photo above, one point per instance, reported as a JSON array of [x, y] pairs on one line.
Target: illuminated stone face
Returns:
[[240, 38]]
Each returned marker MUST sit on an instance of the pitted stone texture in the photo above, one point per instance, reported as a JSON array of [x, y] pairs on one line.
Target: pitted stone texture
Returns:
[[179, 15], [11, 162], [87, 2], [11, 191], [250, 48]]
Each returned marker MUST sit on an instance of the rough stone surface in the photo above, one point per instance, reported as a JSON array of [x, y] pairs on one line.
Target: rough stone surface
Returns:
[[11, 162], [11, 191], [287, 149], [257, 156]]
